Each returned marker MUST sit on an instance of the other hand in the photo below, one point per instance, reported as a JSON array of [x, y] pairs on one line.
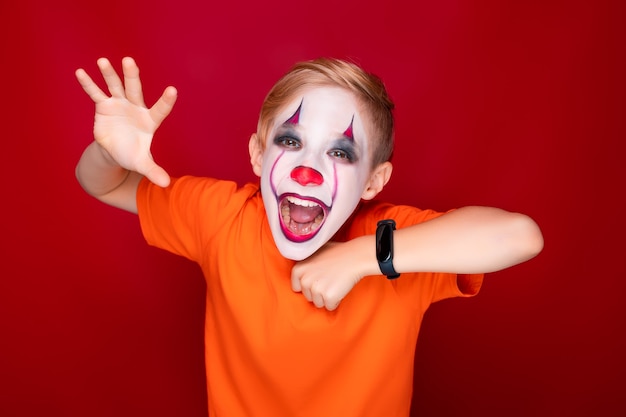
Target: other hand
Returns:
[[328, 275]]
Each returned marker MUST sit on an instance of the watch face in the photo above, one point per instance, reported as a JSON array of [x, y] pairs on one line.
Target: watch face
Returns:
[[383, 243]]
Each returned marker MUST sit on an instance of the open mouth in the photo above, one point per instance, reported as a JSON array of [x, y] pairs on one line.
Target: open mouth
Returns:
[[301, 218]]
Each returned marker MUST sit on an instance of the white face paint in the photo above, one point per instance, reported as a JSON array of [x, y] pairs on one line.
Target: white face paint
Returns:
[[315, 167]]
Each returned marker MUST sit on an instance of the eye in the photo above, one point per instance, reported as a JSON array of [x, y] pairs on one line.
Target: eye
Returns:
[[288, 142], [342, 155]]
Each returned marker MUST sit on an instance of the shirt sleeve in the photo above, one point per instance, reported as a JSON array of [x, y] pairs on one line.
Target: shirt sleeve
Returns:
[[183, 217]]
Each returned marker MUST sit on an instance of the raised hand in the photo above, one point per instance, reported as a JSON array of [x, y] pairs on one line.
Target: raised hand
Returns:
[[124, 126]]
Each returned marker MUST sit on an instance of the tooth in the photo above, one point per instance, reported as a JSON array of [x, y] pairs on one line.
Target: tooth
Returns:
[[300, 202]]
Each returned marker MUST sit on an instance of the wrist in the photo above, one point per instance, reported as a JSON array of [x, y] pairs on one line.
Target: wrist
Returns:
[[107, 158], [385, 247], [365, 255], [97, 172]]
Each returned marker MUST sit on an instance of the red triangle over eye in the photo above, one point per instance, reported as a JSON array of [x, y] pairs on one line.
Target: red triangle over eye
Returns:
[[295, 118], [348, 133]]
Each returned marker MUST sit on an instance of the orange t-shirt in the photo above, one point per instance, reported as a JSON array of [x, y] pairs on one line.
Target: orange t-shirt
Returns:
[[270, 352]]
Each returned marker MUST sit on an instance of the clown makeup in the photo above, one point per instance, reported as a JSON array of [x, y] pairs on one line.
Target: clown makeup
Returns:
[[315, 169]]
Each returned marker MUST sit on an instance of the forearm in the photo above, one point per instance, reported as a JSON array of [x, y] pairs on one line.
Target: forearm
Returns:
[[101, 177], [466, 240]]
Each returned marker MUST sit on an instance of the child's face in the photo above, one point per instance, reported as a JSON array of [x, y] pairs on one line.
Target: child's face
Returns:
[[315, 168]]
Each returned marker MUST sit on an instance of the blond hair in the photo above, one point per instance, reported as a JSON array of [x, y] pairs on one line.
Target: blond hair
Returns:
[[368, 88]]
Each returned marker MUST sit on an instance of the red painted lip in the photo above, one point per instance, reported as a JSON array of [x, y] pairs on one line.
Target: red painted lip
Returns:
[[285, 229]]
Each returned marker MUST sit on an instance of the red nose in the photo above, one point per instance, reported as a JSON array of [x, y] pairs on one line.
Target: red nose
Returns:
[[306, 176]]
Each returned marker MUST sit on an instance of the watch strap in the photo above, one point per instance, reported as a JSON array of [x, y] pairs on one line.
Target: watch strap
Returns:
[[384, 247]]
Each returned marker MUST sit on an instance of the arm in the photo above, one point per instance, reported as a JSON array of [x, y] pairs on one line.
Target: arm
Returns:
[[467, 240], [111, 167]]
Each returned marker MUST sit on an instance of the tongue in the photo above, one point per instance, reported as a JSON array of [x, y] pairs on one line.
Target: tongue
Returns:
[[302, 214]]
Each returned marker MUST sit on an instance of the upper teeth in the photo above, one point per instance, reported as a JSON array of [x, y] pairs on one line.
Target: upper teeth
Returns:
[[300, 202]]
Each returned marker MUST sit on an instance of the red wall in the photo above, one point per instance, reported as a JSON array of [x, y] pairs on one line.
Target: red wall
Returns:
[[518, 105]]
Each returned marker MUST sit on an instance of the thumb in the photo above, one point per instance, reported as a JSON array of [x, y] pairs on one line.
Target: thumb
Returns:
[[155, 174]]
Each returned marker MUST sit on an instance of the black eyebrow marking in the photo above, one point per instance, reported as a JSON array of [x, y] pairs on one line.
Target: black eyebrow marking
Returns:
[[286, 130], [286, 133], [347, 145]]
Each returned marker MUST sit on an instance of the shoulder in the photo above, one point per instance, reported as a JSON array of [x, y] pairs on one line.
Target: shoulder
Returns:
[[368, 213], [196, 188], [191, 196]]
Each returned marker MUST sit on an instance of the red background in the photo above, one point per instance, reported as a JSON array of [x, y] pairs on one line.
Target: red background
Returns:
[[518, 105]]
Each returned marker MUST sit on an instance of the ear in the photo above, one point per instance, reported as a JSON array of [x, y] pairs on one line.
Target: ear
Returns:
[[256, 154], [378, 179]]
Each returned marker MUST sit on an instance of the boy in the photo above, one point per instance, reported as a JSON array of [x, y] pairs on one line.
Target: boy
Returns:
[[345, 345]]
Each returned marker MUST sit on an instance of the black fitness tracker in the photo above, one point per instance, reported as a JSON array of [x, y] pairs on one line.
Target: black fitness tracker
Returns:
[[384, 247]]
